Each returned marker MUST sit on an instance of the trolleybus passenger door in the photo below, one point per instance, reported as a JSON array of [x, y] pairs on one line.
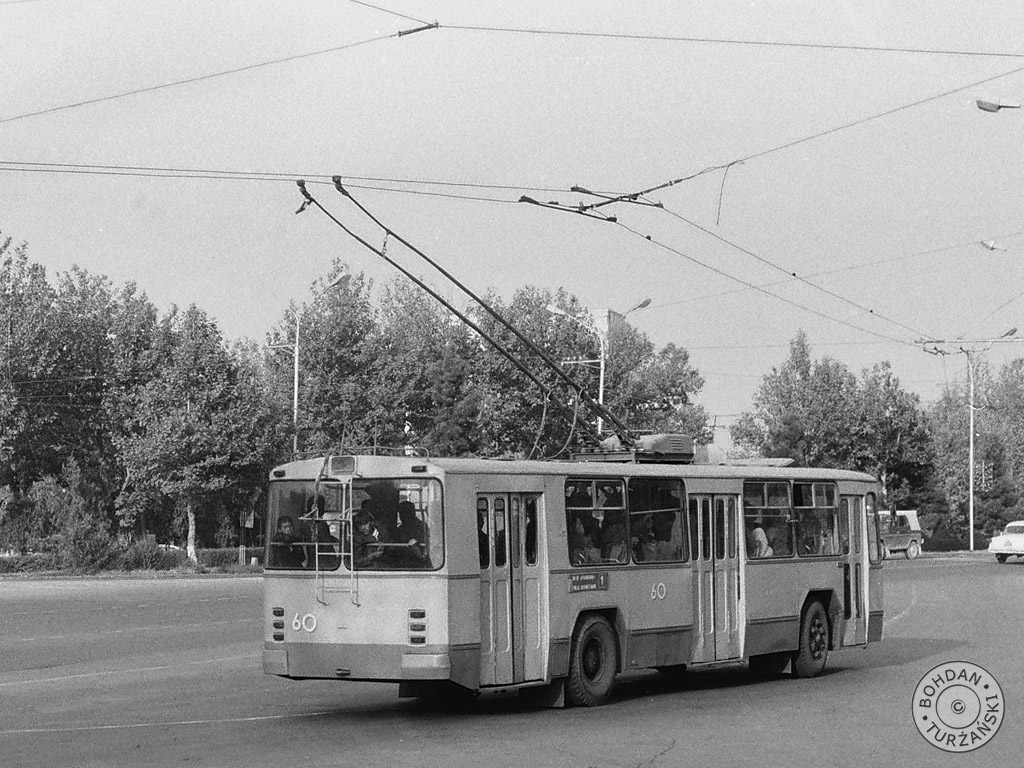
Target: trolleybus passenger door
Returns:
[[714, 551], [855, 569], [728, 622], [510, 588]]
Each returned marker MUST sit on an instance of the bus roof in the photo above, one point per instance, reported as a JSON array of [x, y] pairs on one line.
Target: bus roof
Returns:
[[403, 466]]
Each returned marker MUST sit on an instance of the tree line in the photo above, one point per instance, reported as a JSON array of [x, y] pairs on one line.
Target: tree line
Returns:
[[119, 422], [820, 413]]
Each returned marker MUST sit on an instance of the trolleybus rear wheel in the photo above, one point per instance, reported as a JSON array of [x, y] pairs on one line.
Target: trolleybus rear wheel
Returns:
[[810, 660], [593, 661]]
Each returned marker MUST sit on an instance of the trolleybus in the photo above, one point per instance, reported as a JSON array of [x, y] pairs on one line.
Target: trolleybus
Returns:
[[555, 577]]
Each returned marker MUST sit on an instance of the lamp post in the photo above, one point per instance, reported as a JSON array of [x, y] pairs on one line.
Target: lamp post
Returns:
[[970, 454], [294, 349], [987, 105], [937, 348], [602, 340]]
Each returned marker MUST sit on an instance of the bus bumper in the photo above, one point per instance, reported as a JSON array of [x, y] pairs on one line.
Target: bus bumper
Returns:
[[307, 660]]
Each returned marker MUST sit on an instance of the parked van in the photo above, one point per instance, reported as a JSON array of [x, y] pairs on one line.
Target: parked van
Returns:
[[901, 532]]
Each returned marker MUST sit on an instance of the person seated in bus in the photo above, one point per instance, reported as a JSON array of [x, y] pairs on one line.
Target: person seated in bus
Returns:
[[365, 541], [614, 544], [285, 544], [410, 529], [327, 558], [642, 535], [757, 543], [411, 533], [577, 494], [609, 495], [581, 545], [663, 525]]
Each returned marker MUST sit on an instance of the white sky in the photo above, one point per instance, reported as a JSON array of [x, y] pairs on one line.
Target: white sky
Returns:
[[910, 193]]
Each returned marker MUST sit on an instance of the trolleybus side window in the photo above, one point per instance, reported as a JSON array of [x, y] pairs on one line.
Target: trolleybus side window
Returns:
[[817, 518], [500, 556], [483, 530], [657, 522], [530, 524], [768, 519], [596, 521]]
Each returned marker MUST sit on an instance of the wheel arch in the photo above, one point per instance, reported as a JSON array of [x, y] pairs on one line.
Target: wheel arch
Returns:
[[618, 624]]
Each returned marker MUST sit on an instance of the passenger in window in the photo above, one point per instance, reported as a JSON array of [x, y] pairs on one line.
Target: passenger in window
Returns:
[[644, 546], [757, 543], [577, 495], [614, 544], [581, 546], [413, 534], [609, 495], [365, 540], [410, 529], [662, 524], [288, 552]]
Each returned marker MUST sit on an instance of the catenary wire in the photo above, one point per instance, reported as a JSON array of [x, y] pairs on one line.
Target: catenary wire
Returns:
[[732, 41], [388, 11], [837, 270], [766, 292], [196, 79], [794, 275]]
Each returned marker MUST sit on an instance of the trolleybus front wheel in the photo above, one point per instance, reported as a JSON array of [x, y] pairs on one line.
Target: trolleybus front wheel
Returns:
[[810, 660], [592, 663]]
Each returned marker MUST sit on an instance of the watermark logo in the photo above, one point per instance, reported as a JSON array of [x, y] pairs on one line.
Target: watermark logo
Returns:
[[958, 706]]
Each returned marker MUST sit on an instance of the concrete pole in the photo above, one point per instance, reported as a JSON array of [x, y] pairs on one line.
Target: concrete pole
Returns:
[[970, 457]]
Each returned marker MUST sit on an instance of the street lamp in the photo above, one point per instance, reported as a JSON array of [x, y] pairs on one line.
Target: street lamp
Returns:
[[294, 348], [987, 105], [602, 339]]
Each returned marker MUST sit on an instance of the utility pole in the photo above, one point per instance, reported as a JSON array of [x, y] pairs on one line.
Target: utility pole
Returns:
[[294, 349], [968, 348]]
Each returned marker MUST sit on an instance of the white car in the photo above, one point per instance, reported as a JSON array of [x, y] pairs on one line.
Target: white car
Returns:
[[1009, 542]]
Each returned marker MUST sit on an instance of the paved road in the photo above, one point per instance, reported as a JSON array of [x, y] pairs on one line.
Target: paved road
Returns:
[[97, 672]]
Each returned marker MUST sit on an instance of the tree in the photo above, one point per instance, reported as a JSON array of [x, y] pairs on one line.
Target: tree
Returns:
[[337, 354], [803, 410], [818, 413], [200, 430]]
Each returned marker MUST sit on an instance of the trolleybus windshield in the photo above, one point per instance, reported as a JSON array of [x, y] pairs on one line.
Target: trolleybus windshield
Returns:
[[375, 524]]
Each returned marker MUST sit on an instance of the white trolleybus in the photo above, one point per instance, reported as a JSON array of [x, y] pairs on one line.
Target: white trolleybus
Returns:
[[554, 577]]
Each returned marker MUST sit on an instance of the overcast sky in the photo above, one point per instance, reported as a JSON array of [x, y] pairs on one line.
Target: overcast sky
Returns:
[[867, 171]]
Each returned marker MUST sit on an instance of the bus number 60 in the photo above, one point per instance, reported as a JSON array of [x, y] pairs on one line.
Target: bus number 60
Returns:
[[658, 591], [307, 622]]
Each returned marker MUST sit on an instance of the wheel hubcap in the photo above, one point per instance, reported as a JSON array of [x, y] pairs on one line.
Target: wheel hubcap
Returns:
[[818, 639], [593, 659]]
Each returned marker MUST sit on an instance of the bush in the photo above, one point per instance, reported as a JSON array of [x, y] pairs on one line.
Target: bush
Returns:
[[145, 555], [35, 563]]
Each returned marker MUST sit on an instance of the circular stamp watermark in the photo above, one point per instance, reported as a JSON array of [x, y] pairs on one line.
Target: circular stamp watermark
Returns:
[[958, 706]]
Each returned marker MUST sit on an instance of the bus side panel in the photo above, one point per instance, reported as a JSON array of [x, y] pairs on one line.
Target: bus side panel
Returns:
[[462, 562], [875, 609], [659, 610], [776, 590]]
